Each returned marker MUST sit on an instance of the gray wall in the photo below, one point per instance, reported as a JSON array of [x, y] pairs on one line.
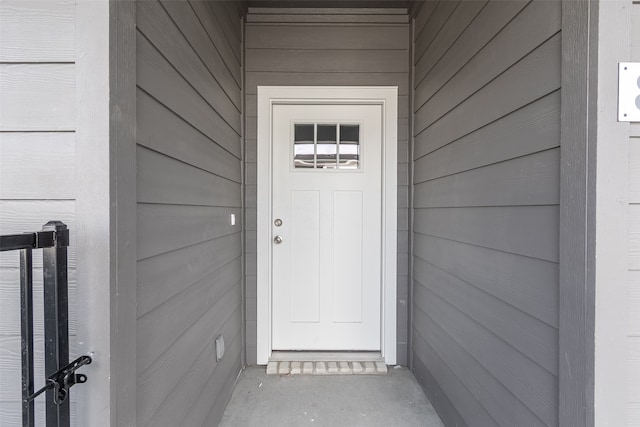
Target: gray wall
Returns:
[[485, 220], [37, 134], [189, 183], [298, 50], [633, 333]]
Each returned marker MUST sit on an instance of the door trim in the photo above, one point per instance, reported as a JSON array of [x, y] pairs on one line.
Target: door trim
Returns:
[[387, 98]]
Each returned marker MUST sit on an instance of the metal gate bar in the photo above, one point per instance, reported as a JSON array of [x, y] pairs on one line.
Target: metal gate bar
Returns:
[[61, 375], [26, 331]]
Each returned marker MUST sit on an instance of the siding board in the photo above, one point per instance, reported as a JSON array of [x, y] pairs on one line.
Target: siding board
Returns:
[[197, 36], [163, 276], [10, 297], [528, 180], [634, 164], [164, 180], [524, 230], [532, 338], [164, 228], [226, 73], [530, 29], [176, 363], [327, 37], [37, 170], [634, 237], [447, 412], [633, 328], [216, 34], [176, 407], [218, 384], [37, 31], [423, 15], [189, 182], [37, 97], [23, 216], [22, 174], [485, 222], [160, 327], [635, 32], [160, 79], [355, 19], [460, 18], [218, 409], [528, 284], [329, 61], [10, 370], [531, 129], [162, 131], [500, 54], [488, 23], [230, 26], [487, 389], [506, 93], [436, 22], [156, 25]]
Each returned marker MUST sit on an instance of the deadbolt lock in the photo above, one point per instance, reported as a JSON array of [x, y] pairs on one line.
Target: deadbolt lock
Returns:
[[277, 222]]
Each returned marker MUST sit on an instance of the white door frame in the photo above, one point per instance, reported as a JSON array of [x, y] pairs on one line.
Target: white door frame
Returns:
[[385, 96]]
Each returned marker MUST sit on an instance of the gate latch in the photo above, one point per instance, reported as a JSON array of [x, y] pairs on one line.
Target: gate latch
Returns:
[[62, 380]]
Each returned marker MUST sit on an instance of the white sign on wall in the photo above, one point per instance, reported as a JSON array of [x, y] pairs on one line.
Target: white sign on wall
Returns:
[[629, 92]]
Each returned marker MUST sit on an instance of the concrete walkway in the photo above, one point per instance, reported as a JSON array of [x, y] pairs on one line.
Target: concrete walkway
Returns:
[[264, 400]]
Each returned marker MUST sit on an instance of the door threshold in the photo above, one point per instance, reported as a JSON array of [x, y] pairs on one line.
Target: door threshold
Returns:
[[326, 356]]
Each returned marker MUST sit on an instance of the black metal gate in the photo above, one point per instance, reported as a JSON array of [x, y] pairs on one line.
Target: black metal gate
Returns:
[[53, 239]]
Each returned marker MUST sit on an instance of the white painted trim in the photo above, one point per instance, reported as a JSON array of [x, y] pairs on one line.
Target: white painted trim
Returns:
[[387, 97], [93, 216], [611, 374], [106, 210]]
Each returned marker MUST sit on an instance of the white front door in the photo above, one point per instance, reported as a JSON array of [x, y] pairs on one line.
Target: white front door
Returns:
[[326, 227]]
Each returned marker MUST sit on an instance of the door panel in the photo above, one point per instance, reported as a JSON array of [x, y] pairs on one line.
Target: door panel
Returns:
[[305, 256], [347, 256], [326, 190]]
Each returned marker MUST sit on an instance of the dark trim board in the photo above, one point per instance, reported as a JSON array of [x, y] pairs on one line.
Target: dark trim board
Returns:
[[122, 142], [577, 212]]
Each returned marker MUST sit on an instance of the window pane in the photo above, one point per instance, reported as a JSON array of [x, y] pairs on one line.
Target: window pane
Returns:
[[349, 134], [327, 147], [349, 146], [326, 134], [303, 148], [303, 133]]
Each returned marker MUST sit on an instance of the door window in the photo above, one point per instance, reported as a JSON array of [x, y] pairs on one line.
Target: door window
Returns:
[[326, 146]]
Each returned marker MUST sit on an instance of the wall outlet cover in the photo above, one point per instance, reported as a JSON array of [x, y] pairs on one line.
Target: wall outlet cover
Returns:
[[219, 348]]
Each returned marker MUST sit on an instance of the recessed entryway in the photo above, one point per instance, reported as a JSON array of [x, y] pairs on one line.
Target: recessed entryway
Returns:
[[326, 220]]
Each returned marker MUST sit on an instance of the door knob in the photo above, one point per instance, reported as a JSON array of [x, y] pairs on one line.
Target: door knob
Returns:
[[277, 222], [277, 240]]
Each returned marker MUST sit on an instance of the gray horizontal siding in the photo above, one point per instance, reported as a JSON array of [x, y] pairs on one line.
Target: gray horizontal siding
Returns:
[[486, 216], [277, 14], [633, 304], [37, 128], [189, 182], [339, 49]]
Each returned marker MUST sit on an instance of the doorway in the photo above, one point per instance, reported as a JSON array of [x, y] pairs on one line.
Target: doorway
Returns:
[[326, 219]]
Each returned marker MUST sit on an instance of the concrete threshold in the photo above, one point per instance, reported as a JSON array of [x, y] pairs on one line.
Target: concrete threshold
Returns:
[[394, 399]]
